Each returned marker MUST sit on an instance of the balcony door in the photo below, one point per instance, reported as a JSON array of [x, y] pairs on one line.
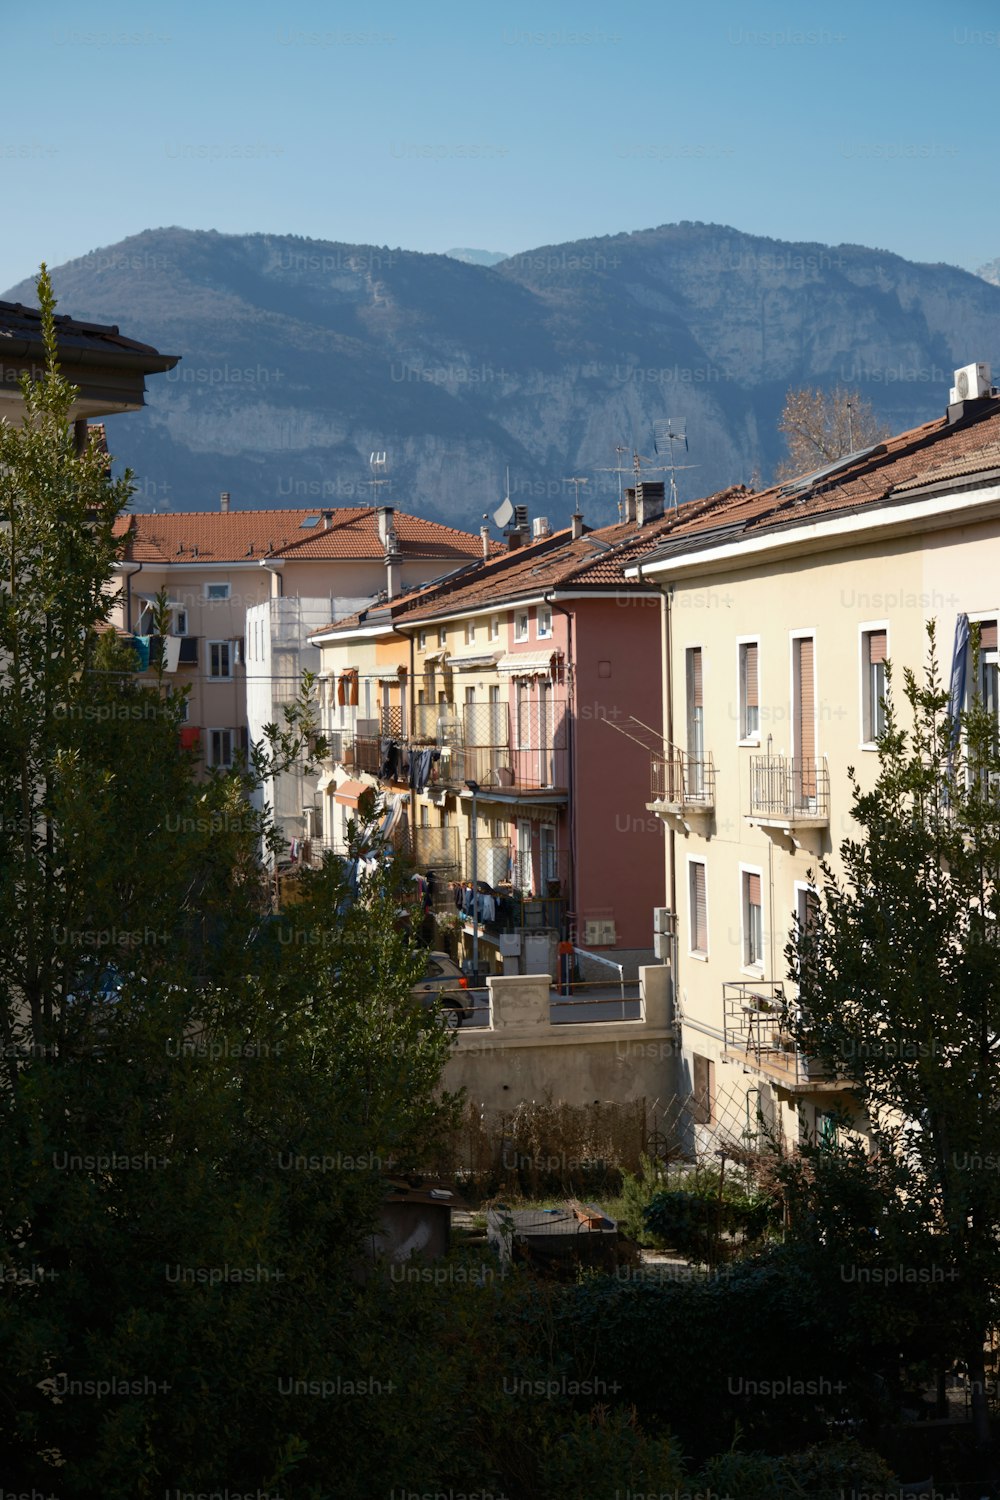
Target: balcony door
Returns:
[[695, 723], [546, 766], [804, 722]]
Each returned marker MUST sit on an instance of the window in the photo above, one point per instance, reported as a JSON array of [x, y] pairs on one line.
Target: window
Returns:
[[220, 658], [495, 628], [806, 910], [544, 623], [749, 692], [753, 920], [215, 592], [988, 665], [804, 785], [873, 657], [702, 1090], [695, 721], [220, 747], [442, 635], [521, 625], [698, 907], [470, 632], [181, 622], [470, 696], [422, 640]]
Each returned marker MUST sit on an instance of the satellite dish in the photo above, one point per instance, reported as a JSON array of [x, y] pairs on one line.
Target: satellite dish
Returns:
[[503, 515]]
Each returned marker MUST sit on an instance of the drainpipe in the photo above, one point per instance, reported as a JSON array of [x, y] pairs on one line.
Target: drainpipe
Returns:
[[133, 568], [667, 634], [571, 669], [408, 636]]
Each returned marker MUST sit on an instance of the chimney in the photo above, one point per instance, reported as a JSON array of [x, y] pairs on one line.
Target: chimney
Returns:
[[484, 532], [327, 519], [629, 505], [577, 524], [384, 514], [648, 501], [224, 501]]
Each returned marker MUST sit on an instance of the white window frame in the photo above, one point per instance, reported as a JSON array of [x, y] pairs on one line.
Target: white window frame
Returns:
[[748, 966], [215, 598], [544, 612], [867, 742], [421, 640], [442, 635], [701, 954], [742, 737], [494, 627], [470, 632], [226, 676], [224, 765], [521, 624], [180, 621]]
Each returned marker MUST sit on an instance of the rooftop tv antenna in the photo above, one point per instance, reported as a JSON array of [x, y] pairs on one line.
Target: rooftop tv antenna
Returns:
[[379, 465], [670, 432], [577, 481]]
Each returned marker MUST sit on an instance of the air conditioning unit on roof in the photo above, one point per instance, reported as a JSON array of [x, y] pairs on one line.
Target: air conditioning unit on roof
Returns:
[[971, 382]]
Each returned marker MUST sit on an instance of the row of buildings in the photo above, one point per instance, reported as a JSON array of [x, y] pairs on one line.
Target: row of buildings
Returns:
[[633, 740]]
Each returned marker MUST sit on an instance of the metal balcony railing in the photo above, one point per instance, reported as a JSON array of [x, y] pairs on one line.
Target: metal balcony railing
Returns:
[[756, 1030], [498, 768], [789, 790], [679, 781]]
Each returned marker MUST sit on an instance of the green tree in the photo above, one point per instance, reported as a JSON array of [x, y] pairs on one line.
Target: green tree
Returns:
[[190, 1086], [821, 426], [899, 991]]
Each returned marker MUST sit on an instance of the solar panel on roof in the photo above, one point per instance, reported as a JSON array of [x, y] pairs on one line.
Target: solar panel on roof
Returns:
[[310, 521], [805, 480]]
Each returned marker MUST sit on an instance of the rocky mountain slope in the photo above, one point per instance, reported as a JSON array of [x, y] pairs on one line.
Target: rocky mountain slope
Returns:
[[302, 357]]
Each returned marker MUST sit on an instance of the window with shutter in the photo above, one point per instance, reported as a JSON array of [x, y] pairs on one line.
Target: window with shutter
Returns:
[[749, 692], [698, 907], [753, 920], [875, 650], [804, 720]]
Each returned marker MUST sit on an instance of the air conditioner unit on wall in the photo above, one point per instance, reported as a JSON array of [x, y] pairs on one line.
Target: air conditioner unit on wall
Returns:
[[663, 919]]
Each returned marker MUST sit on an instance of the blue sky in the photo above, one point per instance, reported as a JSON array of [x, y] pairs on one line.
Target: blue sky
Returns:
[[432, 125]]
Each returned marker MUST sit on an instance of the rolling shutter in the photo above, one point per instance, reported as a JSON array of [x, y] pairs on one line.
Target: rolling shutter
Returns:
[[753, 890], [696, 695], [750, 685], [699, 910], [988, 635], [805, 717], [877, 646]]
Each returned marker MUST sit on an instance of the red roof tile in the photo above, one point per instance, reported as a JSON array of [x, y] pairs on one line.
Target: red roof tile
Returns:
[[234, 535]]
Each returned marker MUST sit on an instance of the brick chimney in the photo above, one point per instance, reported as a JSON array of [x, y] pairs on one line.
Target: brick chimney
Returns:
[[224, 502], [649, 496]]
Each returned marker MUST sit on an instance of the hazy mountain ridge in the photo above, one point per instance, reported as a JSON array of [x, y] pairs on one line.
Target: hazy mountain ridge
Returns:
[[300, 357]]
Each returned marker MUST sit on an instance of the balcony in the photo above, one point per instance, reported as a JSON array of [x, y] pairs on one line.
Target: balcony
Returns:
[[788, 794], [682, 788], [504, 774], [757, 1038]]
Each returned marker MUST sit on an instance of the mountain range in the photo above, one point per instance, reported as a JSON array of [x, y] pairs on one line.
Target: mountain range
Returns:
[[301, 358]]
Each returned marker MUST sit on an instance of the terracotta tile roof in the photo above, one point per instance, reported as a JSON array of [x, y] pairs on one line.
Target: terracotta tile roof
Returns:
[[596, 560], [933, 452], [236, 535]]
